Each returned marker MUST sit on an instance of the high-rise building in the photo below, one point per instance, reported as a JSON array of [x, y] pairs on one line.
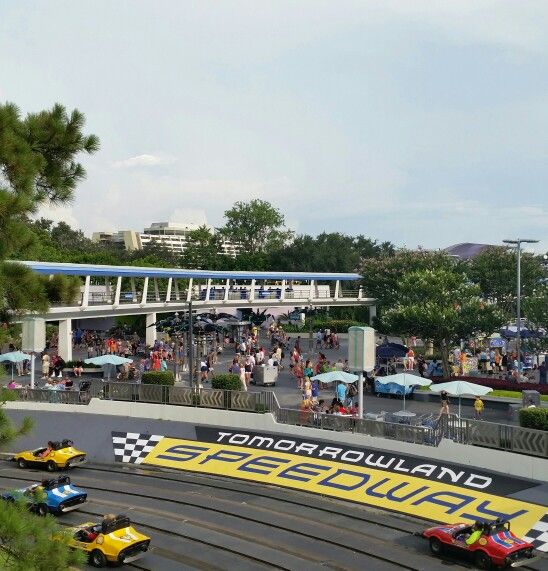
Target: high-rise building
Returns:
[[172, 235]]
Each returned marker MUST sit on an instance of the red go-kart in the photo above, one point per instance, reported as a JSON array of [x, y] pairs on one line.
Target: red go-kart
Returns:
[[486, 543]]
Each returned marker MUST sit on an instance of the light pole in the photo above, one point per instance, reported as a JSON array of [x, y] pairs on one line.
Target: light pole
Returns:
[[517, 243], [176, 322]]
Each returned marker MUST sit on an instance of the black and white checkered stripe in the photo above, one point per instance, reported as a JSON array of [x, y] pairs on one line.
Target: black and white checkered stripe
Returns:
[[133, 447], [538, 535]]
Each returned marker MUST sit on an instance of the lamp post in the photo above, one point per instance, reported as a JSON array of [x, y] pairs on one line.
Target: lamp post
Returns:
[[176, 322], [517, 243]]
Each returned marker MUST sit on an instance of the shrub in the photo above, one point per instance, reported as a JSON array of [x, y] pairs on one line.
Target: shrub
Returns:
[[158, 378], [338, 325], [536, 418], [504, 385], [72, 364], [226, 382]]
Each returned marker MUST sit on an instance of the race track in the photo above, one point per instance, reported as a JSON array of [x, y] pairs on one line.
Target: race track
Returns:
[[211, 523]]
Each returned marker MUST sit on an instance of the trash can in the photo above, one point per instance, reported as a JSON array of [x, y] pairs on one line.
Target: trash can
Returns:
[[529, 398], [264, 375]]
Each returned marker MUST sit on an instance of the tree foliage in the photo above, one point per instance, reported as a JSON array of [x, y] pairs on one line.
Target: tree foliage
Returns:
[[440, 305], [256, 226]]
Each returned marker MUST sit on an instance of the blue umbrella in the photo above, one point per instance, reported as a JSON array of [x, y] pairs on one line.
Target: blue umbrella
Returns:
[[104, 360], [14, 357], [391, 351]]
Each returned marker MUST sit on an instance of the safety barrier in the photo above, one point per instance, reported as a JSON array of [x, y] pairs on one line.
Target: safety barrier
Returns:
[[464, 431]]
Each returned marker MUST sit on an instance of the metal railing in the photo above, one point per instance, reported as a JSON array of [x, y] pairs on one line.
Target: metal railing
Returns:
[[465, 431]]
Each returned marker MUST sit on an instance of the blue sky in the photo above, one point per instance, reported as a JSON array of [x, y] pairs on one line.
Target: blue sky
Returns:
[[424, 123]]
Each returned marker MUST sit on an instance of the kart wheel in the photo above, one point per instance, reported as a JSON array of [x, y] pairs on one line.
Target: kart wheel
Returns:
[[436, 546], [97, 559], [51, 466], [482, 560], [21, 463], [42, 510]]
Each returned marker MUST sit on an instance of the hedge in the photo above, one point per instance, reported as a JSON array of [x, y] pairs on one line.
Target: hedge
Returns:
[[158, 378], [536, 418], [504, 385], [226, 382], [72, 364]]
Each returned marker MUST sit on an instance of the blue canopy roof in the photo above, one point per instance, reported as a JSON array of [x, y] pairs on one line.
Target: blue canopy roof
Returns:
[[144, 272]]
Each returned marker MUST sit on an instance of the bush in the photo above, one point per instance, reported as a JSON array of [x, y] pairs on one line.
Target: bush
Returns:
[[226, 382], [504, 385], [536, 418], [158, 378], [338, 325]]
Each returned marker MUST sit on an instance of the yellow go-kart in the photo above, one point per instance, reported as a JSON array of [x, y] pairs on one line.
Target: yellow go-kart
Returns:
[[55, 456], [113, 540]]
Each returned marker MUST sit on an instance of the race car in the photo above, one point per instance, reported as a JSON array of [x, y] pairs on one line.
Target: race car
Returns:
[[486, 543], [113, 540], [55, 456], [56, 496]]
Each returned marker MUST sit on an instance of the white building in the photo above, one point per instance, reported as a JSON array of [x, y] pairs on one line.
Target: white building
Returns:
[[172, 235]]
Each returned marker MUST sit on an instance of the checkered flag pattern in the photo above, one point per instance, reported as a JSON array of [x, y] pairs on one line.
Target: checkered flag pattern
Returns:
[[133, 447], [538, 535]]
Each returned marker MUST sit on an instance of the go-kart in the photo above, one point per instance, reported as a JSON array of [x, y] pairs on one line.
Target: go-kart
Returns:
[[485, 543], [62, 455], [55, 496], [113, 540]]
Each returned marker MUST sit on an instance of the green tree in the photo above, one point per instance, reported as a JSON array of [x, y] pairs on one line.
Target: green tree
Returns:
[[440, 305], [37, 166], [203, 250], [495, 271], [381, 276], [256, 226]]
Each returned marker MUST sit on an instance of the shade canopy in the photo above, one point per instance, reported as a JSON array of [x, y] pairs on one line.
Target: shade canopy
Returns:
[[391, 351], [332, 376], [107, 360], [15, 357], [461, 388], [405, 380]]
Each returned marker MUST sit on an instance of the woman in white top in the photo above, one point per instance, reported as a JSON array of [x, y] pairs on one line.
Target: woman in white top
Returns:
[[45, 366]]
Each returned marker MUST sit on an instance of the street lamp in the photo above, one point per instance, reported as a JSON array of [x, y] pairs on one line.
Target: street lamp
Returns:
[[176, 322], [517, 243]]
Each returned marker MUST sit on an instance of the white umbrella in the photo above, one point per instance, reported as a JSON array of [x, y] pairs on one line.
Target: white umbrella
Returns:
[[332, 376], [14, 357], [460, 388], [103, 360], [405, 380]]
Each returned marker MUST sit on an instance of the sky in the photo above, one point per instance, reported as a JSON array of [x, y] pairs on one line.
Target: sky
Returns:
[[423, 123]]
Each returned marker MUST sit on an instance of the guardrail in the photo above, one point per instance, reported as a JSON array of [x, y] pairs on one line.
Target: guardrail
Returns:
[[465, 431]]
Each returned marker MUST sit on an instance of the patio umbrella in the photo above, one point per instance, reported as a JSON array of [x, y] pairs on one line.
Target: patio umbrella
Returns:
[[391, 350], [405, 380], [459, 388], [14, 357], [103, 360], [332, 376]]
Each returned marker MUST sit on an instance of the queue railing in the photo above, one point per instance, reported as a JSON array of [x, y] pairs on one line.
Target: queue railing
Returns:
[[465, 431]]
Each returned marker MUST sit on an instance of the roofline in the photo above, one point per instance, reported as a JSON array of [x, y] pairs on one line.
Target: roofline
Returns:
[[71, 269]]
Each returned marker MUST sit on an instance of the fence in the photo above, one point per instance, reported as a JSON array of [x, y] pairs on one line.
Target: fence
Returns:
[[465, 431]]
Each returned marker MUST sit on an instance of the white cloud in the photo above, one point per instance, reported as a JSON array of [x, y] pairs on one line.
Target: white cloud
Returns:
[[58, 214], [144, 161]]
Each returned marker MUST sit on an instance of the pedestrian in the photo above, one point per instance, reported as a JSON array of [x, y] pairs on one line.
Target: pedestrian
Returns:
[[45, 366], [410, 365], [478, 407], [341, 392], [444, 410]]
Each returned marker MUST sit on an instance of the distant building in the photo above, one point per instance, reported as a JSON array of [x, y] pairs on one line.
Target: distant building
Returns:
[[172, 235], [467, 250]]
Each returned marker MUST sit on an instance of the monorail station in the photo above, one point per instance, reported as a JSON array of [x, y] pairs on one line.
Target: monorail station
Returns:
[[110, 291]]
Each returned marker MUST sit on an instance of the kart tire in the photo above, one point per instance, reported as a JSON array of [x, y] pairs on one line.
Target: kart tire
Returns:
[[436, 546], [21, 463], [51, 466], [41, 510], [482, 560], [97, 559]]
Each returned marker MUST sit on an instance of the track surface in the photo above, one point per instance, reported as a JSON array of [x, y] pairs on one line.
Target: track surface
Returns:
[[207, 523]]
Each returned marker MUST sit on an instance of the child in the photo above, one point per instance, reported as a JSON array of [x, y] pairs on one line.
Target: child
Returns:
[[478, 407]]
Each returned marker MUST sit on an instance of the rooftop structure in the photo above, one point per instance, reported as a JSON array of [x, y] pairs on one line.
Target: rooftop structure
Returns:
[[467, 250]]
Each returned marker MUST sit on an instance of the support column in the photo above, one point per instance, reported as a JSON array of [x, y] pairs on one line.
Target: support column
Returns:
[[208, 289], [227, 289], [150, 335], [282, 292], [168, 293], [311, 293], [252, 290], [118, 290], [372, 314], [189, 292], [64, 346], [145, 292], [337, 289], [156, 290], [85, 295]]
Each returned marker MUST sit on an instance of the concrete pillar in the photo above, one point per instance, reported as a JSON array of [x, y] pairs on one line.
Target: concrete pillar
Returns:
[[337, 289], [64, 347], [168, 292], [150, 329], [227, 289], [85, 295], [311, 295], [372, 313], [189, 292], [252, 290], [282, 293], [118, 291]]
